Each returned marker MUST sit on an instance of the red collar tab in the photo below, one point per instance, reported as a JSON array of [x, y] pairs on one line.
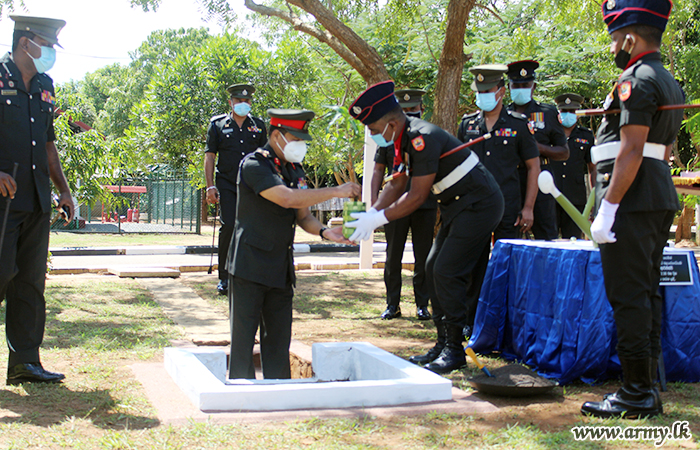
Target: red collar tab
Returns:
[[638, 57]]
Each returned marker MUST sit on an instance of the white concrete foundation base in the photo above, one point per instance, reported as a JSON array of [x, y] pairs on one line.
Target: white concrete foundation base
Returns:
[[347, 374]]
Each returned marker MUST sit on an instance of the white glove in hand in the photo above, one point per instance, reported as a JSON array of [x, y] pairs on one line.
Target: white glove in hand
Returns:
[[365, 224], [601, 228]]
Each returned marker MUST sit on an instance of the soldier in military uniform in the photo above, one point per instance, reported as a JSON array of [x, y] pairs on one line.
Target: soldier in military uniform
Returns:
[[272, 199], [27, 139], [421, 223], [569, 175], [636, 199], [470, 202], [231, 137], [511, 144], [551, 140]]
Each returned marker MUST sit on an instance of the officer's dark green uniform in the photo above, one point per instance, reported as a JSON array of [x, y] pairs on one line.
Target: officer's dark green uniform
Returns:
[[510, 146], [231, 143], [421, 222], [544, 118], [262, 263], [26, 126], [470, 210], [569, 175], [631, 265]]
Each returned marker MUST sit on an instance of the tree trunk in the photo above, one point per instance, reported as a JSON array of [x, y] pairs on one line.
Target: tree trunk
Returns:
[[685, 222], [451, 66]]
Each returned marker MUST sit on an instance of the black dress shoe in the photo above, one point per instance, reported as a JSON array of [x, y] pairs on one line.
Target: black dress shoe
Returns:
[[222, 287], [391, 312], [423, 313], [32, 373]]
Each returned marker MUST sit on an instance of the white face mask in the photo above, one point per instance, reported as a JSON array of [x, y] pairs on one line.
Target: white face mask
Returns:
[[294, 151]]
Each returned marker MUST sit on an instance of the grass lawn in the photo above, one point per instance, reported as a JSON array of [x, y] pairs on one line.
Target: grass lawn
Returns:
[[98, 326]]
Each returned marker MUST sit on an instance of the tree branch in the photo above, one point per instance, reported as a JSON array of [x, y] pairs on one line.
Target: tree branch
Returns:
[[427, 39], [344, 41]]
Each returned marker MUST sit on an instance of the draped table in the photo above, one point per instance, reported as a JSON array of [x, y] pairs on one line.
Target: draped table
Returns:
[[544, 304]]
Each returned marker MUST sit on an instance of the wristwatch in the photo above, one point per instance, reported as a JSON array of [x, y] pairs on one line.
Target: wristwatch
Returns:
[[320, 233]]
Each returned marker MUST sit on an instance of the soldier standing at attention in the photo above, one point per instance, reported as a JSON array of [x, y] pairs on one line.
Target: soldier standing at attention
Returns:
[[27, 143], [636, 199], [551, 140], [569, 175], [470, 202], [231, 137], [272, 199], [511, 144], [421, 223]]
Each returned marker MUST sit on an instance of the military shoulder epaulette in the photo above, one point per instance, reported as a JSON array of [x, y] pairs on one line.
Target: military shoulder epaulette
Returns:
[[263, 152], [219, 117], [468, 115], [517, 115]]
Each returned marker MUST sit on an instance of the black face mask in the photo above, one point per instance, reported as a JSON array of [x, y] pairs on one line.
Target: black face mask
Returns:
[[622, 59], [414, 114]]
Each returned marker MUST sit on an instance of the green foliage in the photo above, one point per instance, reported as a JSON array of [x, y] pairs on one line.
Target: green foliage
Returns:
[[87, 160]]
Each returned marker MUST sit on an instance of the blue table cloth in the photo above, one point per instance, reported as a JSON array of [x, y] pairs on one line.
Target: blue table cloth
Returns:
[[544, 304]]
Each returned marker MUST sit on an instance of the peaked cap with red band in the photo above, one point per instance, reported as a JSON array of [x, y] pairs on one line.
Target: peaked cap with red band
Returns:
[[295, 121], [623, 13], [374, 103]]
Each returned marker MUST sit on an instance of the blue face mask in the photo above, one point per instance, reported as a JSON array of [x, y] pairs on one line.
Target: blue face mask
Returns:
[[486, 101], [241, 109], [47, 59], [521, 96], [380, 140], [568, 119]]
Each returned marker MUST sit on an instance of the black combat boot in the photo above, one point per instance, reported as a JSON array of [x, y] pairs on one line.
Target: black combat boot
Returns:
[[452, 356], [434, 352], [636, 398]]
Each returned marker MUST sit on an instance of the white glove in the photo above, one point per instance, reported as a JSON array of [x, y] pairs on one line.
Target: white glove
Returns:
[[365, 224], [601, 228]]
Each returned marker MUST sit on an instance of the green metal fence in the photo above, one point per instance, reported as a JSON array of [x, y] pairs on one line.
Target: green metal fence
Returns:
[[163, 202]]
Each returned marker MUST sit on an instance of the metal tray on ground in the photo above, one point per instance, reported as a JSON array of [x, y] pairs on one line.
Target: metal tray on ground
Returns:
[[512, 380]]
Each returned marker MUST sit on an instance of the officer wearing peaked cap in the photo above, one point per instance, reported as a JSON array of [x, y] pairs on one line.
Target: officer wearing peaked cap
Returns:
[[421, 223], [27, 137], [273, 198], [636, 199], [230, 137], [469, 199], [569, 175], [511, 144], [549, 134]]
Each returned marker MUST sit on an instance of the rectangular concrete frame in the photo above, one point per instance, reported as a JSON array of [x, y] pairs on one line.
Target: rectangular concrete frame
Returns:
[[348, 374]]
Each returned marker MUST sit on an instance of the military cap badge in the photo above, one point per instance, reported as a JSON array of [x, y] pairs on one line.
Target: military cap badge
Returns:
[[610, 4], [245, 92], [480, 78], [568, 101], [523, 72], [407, 97], [357, 110]]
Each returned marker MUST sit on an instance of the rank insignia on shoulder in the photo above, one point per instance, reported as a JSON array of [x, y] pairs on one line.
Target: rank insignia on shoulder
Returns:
[[418, 143], [625, 90], [265, 153]]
